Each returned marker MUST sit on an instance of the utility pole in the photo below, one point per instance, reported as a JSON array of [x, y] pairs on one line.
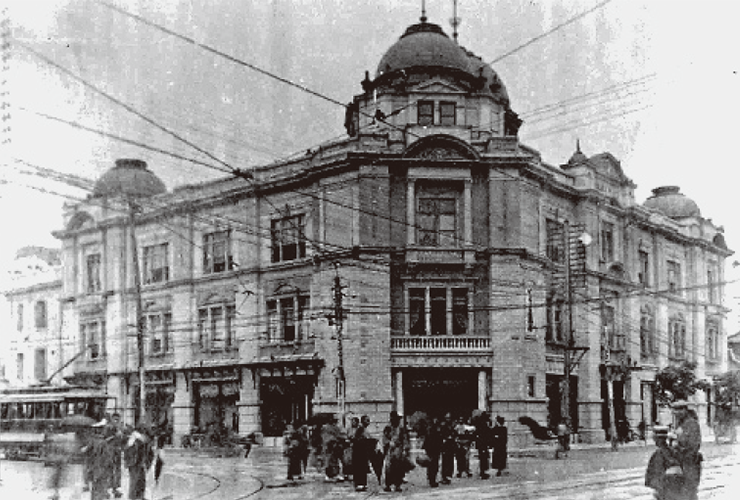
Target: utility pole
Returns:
[[565, 401], [339, 326], [610, 372], [138, 312]]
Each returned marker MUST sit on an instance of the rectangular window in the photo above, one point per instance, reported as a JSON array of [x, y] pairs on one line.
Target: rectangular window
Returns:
[[555, 245], [19, 366], [217, 256], [447, 113], [425, 112], [288, 238], [613, 341], [674, 276], [39, 310], [531, 386], [438, 311], [302, 316], [643, 272], [288, 319], [92, 338], [647, 333], [676, 339], [216, 327], [712, 292], [203, 329], [19, 318], [156, 264], [158, 326], [431, 306], [92, 267], [459, 311], [40, 361], [436, 221], [607, 242], [417, 312], [713, 352]]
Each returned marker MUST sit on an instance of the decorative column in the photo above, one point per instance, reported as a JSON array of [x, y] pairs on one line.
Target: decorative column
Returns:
[[467, 211], [399, 392], [410, 212], [482, 391]]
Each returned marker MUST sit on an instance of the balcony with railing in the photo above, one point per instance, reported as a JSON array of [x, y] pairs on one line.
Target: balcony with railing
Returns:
[[440, 344]]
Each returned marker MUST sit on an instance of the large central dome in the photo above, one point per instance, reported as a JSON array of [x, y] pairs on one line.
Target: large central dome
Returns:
[[424, 44], [129, 177]]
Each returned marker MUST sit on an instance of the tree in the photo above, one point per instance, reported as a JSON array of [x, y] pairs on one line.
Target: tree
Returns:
[[727, 388], [677, 382]]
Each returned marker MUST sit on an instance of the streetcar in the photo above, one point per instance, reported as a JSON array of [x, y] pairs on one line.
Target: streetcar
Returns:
[[29, 417]]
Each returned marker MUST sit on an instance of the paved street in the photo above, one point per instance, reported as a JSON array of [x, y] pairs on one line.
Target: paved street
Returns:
[[587, 474]]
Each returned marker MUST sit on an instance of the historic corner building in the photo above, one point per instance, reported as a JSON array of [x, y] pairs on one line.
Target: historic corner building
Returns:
[[461, 260]]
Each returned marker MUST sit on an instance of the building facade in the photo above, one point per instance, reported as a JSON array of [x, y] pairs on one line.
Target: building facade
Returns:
[[428, 262], [34, 347]]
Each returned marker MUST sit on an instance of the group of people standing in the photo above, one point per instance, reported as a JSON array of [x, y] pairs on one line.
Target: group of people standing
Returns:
[[449, 443], [104, 448], [356, 452]]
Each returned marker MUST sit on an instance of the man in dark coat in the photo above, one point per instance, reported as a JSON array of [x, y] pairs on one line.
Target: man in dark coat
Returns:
[[433, 448], [482, 442], [138, 456], [686, 447], [101, 451], [500, 439], [449, 446], [115, 431], [362, 446], [666, 486]]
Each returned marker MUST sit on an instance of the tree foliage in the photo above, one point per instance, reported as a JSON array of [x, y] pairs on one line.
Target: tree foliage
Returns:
[[727, 388], [677, 382]]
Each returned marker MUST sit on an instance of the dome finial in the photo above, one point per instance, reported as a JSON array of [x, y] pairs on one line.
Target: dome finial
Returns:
[[423, 17], [578, 145], [455, 21]]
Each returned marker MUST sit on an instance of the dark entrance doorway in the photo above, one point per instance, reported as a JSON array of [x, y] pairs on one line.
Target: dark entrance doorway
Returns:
[[553, 388], [619, 406], [285, 400], [437, 391]]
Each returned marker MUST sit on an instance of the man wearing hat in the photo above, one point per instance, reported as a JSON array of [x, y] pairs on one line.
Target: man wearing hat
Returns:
[[686, 444]]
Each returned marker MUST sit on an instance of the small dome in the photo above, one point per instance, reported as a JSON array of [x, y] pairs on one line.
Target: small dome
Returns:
[[578, 157], [129, 177], [424, 44], [670, 202]]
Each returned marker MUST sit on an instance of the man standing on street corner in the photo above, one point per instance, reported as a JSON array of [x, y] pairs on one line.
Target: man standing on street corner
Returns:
[[686, 446]]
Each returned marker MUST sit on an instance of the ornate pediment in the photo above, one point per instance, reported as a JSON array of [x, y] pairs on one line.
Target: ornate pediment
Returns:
[[441, 147], [437, 86]]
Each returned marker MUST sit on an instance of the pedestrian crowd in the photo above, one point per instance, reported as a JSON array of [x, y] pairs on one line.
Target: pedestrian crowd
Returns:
[[104, 448], [353, 453]]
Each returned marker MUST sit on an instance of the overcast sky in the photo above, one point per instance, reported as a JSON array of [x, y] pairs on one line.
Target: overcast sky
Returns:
[[670, 116]]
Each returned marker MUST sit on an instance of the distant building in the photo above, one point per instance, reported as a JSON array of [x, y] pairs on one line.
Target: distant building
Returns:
[[33, 346], [449, 239]]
